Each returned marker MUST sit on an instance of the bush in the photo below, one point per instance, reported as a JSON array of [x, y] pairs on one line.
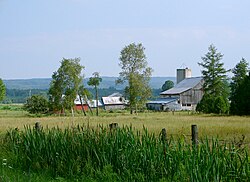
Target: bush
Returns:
[[37, 104], [210, 104]]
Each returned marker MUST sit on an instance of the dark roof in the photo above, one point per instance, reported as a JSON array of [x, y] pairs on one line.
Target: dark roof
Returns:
[[183, 86]]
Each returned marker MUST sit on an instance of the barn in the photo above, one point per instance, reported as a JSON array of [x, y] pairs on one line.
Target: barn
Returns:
[[114, 101], [189, 92], [78, 104], [91, 103], [185, 95]]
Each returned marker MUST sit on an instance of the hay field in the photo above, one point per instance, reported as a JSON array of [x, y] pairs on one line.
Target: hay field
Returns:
[[230, 128]]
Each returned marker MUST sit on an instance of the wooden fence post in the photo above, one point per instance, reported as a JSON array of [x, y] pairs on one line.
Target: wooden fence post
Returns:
[[37, 126], [113, 126], [194, 135], [164, 134]]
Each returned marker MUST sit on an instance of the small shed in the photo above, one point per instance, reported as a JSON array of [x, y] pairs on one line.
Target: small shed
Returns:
[[113, 103], [163, 104]]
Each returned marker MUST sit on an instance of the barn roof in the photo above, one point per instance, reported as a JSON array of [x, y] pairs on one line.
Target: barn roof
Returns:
[[183, 86], [92, 103], [113, 100], [162, 101]]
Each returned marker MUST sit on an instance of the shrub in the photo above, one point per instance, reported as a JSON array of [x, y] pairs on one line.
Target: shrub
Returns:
[[37, 104]]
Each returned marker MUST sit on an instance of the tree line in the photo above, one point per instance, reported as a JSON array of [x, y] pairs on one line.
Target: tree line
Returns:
[[220, 95]]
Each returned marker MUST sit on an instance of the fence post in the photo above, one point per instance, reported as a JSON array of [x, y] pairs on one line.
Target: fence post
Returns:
[[113, 126], [194, 135], [164, 134], [37, 126]]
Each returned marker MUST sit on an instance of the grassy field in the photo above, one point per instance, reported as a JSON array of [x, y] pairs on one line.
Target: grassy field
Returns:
[[230, 128]]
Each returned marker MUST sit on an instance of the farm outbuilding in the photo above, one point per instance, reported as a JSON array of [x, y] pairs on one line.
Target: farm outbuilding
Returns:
[[114, 101], [185, 95], [189, 92], [91, 103], [163, 104]]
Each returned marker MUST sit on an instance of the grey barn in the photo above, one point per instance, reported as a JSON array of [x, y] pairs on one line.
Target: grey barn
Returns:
[[185, 95]]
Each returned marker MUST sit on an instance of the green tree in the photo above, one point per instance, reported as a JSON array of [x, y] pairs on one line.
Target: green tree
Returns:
[[37, 104], [167, 85], [215, 80], [136, 72], [2, 90], [95, 81], [240, 74], [243, 97], [65, 84]]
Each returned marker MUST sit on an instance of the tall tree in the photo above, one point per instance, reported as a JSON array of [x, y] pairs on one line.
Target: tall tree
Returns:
[[2, 90], [243, 97], [65, 84], [167, 85], [237, 84], [215, 81], [95, 81], [135, 71]]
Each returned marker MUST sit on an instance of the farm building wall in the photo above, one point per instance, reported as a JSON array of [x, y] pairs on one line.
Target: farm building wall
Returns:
[[192, 97], [114, 107], [79, 107]]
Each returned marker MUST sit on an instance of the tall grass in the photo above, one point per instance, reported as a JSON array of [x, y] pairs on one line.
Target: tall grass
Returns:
[[125, 154]]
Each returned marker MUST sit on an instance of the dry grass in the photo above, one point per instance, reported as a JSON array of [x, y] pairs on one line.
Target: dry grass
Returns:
[[224, 127]]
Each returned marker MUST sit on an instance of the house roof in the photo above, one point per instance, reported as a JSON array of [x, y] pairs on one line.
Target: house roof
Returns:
[[183, 86], [92, 103], [162, 101], [113, 100]]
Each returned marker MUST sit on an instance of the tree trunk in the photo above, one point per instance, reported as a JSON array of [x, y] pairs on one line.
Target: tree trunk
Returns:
[[96, 96], [86, 100], [82, 105], [72, 111]]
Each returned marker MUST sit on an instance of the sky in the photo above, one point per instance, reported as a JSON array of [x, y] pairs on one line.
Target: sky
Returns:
[[36, 35]]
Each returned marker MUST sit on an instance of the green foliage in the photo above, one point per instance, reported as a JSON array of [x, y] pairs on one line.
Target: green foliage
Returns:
[[167, 85], [215, 83], [135, 70], [123, 154], [65, 84], [206, 105], [37, 104], [239, 89], [2, 90], [21, 95], [95, 81], [220, 105], [241, 101]]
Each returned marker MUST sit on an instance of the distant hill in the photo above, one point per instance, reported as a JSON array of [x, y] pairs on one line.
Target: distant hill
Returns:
[[43, 83]]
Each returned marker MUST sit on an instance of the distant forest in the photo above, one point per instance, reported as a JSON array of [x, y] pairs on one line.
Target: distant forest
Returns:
[[19, 90], [21, 95]]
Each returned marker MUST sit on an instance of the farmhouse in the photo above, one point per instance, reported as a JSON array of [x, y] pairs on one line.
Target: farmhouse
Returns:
[[184, 96]]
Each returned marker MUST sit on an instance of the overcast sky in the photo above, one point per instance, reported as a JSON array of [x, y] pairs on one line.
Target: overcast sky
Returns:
[[36, 34]]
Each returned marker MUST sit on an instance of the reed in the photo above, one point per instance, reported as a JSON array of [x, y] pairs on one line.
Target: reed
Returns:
[[126, 153]]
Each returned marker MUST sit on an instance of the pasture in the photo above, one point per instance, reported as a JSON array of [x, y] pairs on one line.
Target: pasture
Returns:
[[229, 128], [83, 147]]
